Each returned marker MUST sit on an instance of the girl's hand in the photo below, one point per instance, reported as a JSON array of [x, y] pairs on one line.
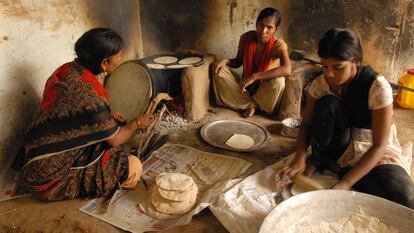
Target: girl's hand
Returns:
[[297, 166], [245, 82], [342, 185], [218, 65]]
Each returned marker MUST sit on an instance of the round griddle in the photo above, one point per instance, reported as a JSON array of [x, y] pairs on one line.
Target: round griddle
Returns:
[[130, 88]]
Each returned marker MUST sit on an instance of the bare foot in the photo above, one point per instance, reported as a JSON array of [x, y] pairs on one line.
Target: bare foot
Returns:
[[249, 112]]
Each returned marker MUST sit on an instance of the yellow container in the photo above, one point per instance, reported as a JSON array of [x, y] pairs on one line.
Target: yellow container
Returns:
[[406, 98]]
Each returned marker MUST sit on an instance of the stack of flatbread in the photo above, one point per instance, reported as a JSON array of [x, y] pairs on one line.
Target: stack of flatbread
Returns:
[[172, 195]]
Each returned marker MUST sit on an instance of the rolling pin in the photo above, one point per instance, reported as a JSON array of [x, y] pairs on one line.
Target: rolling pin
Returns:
[[306, 183]]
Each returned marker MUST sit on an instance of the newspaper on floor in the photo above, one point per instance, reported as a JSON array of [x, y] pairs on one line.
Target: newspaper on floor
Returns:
[[9, 184], [243, 207], [213, 174]]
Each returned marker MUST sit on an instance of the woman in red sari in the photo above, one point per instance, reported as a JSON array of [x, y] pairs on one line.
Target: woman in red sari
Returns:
[[71, 146]]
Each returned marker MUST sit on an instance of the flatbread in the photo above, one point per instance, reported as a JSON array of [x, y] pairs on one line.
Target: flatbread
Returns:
[[240, 141], [150, 210], [174, 181], [172, 207], [189, 60], [178, 195], [177, 66], [156, 66], [165, 60]]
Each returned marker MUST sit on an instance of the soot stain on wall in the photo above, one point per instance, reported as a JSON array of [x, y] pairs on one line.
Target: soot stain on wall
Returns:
[[123, 18], [310, 19], [168, 26], [233, 5], [385, 27]]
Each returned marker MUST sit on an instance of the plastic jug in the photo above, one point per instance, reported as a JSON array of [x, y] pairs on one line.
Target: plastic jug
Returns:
[[406, 98]]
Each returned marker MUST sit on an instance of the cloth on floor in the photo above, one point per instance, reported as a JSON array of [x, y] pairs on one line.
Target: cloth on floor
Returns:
[[243, 208]]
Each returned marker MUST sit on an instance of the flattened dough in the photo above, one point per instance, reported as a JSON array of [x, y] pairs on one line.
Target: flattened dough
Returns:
[[240, 141], [172, 207], [165, 59], [174, 181], [189, 60], [156, 66], [150, 210], [178, 195], [177, 66]]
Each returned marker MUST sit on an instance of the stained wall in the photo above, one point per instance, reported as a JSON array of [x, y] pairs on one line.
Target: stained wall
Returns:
[[385, 26]]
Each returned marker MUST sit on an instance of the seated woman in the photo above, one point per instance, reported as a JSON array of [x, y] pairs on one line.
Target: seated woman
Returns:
[[348, 123], [71, 145], [265, 63]]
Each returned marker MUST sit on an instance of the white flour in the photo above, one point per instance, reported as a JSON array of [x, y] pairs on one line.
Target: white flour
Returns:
[[173, 125], [358, 222]]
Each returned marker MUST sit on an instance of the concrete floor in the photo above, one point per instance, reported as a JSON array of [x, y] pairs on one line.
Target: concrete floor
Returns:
[[41, 217]]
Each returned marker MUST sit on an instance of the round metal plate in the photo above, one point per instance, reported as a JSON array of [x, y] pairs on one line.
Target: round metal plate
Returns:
[[216, 133], [130, 88], [314, 207]]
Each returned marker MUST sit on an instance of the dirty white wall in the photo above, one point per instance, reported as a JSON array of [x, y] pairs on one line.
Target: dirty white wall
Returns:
[[37, 36], [211, 26], [386, 27]]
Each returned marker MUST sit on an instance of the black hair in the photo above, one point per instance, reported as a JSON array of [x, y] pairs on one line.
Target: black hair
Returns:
[[270, 12], [96, 45], [340, 44]]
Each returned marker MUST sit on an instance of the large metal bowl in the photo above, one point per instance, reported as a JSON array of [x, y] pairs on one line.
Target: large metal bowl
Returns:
[[216, 133], [314, 207]]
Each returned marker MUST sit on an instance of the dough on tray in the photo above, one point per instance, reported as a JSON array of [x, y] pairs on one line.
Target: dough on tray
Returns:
[[240, 141], [165, 60]]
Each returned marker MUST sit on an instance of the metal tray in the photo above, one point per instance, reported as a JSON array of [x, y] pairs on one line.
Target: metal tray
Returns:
[[216, 133]]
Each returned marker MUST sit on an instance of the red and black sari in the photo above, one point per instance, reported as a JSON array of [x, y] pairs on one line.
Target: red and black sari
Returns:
[[65, 151]]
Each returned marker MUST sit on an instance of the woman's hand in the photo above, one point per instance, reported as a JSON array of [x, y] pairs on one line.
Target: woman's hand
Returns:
[[119, 117], [342, 185], [247, 81], [219, 64], [129, 129], [143, 121]]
